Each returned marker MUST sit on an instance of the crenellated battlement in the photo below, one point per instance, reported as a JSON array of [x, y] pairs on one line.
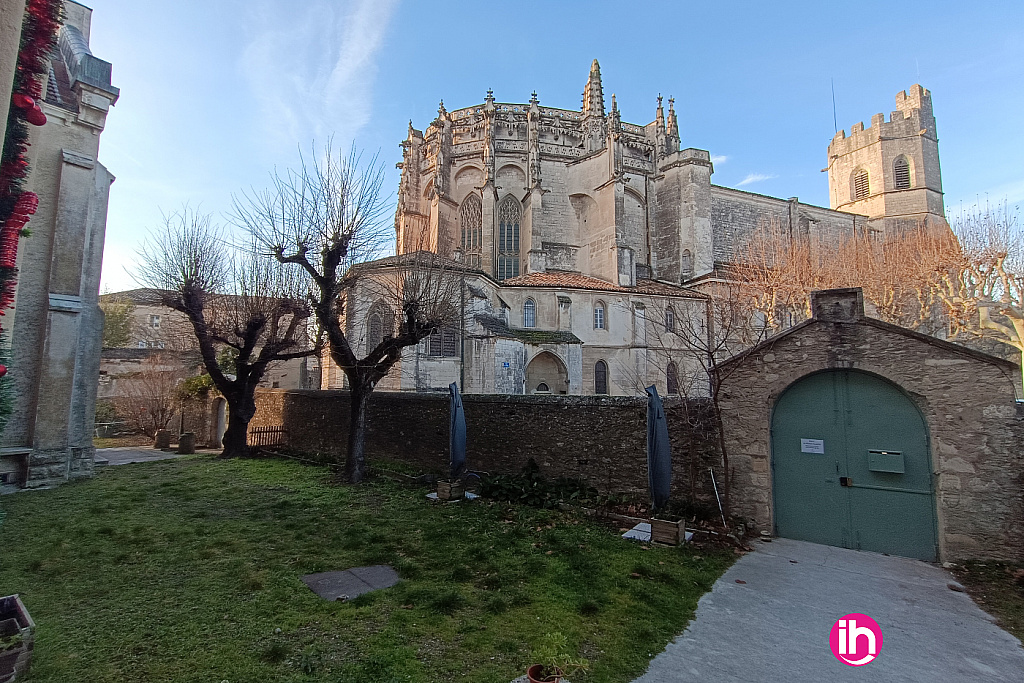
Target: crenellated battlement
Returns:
[[912, 116]]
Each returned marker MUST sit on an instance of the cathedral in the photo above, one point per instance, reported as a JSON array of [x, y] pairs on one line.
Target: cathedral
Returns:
[[587, 241]]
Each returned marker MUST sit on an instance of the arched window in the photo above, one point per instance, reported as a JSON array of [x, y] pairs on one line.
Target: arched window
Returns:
[[471, 218], [901, 173], [509, 217], [672, 379], [542, 388], [529, 314], [861, 185], [670, 320], [687, 263], [601, 377], [599, 315], [379, 322], [374, 331]]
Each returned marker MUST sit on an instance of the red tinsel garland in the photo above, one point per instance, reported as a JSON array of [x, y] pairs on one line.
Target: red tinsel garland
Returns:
[[38, 40]]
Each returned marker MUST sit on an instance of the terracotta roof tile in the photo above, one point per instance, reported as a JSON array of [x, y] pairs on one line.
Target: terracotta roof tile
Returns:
[[579, 281]]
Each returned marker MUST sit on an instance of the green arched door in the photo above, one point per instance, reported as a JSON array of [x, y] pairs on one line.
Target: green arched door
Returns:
[[851, 466]]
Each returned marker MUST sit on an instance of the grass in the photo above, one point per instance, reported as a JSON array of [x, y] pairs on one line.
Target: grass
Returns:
[[189, 570], [998, 587]]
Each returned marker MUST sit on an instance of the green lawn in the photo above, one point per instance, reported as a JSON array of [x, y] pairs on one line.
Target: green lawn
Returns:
[[188, 570]]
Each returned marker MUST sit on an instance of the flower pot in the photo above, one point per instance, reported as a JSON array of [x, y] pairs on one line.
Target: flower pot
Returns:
[[667, 532], [534, 674], [15, 658], [450, 490]]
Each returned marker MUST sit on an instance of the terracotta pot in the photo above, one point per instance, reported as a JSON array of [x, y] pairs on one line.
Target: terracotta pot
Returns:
[[534, 675]]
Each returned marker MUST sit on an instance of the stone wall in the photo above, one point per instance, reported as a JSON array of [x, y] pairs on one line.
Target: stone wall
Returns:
[[600, 439], [967, 398]]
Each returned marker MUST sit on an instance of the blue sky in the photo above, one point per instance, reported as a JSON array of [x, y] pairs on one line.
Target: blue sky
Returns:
[[216, 94]]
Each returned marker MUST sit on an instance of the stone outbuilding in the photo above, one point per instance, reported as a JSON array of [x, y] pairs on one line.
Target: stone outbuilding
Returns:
[[853, 432]]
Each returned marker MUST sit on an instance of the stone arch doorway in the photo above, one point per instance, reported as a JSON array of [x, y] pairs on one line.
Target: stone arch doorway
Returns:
[[851, 466], [547, 374]]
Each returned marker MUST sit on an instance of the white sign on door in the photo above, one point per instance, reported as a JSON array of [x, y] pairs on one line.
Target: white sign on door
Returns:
[[812, 446]]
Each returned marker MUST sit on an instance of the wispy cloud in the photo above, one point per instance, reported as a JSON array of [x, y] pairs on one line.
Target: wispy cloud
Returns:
[[755, 178], [719, 159], [311, 66]]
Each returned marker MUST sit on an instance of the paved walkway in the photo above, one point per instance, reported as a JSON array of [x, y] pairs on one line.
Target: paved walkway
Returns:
[[126, 455], [775, 627]]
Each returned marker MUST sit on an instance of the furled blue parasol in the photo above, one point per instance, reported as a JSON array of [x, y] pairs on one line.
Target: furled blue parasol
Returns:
[[457, 434], [659, 451]]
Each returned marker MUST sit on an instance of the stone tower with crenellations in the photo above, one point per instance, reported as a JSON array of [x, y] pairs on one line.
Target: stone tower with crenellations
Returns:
[[890, 171]]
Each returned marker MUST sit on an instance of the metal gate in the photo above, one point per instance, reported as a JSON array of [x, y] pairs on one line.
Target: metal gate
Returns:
[[851, 466]]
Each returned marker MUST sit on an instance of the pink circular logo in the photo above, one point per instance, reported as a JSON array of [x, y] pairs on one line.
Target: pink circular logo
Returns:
[[855, 639]]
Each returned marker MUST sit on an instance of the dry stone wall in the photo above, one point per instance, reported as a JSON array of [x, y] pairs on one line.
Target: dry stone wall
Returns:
[[599, 439]]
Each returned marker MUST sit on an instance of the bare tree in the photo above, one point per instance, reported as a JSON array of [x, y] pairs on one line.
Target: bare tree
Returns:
[[897, 272], [983, 286], [326, 218], [232, 298], [147, 399]]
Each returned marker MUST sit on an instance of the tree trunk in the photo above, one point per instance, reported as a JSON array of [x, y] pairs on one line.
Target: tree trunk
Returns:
[[236, 438], [355, 462], [727, 478]]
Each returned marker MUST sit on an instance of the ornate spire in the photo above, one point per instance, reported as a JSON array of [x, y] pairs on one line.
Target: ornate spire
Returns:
[[660, 117], [593, 96], [490, 97], [673, 123], [441, 111], [533, 98]]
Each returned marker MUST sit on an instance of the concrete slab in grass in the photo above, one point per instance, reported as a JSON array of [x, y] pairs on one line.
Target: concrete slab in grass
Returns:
[[349, 583]]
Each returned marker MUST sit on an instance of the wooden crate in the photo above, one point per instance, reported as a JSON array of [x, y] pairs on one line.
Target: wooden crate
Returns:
[[667, 533]]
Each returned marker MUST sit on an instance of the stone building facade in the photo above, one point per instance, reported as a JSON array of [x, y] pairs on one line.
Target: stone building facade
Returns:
[[56, 324], [536, 198], [968, 401], [540, 333]]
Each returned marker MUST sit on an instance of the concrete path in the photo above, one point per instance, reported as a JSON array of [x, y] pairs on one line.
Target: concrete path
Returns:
[[126, 455], [775, 627]]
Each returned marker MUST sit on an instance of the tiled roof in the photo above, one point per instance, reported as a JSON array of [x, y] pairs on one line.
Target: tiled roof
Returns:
[[497, 326], [578, 281]]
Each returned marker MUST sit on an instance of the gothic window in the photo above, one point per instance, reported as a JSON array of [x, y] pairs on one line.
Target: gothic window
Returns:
[[672, 379], [471, 216], [443, 343], [509, 217], [599, 315], [529, 314], [375, 331], [379, 322], [901, 173], [861, 186], [601, 377], [670, 320]]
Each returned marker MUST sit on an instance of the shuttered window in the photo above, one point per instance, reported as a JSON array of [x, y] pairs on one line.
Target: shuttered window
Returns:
[[672, 379], [901, 172], [861, 186], [443, 343]]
